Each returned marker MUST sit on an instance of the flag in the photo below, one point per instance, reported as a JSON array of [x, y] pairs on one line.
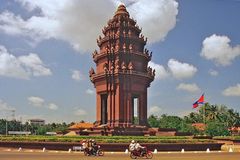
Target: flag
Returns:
[[199, 101]]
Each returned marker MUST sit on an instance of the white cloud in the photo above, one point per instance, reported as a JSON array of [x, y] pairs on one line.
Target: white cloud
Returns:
[[80, 112], [161, 72], [218, 49], [22, 67], [155, 110], [156, 18], [189, 87], [85, 19], [90, 92], [52, 106], [47, 9], [40, 102], [181, 70], [36, 101], [213, 72], [34, 64], [11, 24], [175, 69], [35, 27], [5, 106], [232, 91], [80, 22], [77, 75]]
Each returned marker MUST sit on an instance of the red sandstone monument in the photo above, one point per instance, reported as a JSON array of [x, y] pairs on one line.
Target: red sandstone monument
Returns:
[[122, 74]]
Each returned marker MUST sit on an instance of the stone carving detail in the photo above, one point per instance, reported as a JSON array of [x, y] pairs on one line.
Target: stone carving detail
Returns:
[[117, 67], [150, 55], [129, 33], [130, 47], [112, 49], [94, 53], [117, 47], [130, 67], [91, 72], [149, 70], [146, 51], [118, 32], [105, 67], [124, 33], [153, 74], [124, 47], [112, 67], [124, 68]]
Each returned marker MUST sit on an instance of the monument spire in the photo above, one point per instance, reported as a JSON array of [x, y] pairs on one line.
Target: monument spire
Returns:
[[121, 10]]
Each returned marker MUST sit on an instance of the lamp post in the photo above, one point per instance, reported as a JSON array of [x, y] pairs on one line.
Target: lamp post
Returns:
[[13, 117], [6, 127]]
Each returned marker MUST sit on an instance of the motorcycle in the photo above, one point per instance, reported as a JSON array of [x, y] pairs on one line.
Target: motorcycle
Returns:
[[144, 153], [97, 151]]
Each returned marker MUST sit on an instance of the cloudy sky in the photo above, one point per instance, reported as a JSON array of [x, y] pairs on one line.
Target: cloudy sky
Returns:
[[46, 46]]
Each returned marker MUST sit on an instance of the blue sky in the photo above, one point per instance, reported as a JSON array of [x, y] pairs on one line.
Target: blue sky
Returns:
[[46, 46]]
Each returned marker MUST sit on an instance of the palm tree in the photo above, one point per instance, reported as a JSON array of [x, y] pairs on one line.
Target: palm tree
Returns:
[[233, 117], [212, 113]]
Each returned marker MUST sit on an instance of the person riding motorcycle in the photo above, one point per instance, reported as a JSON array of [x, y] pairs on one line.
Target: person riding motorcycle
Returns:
[[135, 146], [140, 148], [132, 146], [84, 144], [94, 147], [90, 147]]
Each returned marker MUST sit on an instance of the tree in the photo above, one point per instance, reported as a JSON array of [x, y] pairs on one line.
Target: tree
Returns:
[[2, 126], [187, 127], [153, 121], [136, 120], [194, 117], [217, 129], [174, 122], [218, 119]]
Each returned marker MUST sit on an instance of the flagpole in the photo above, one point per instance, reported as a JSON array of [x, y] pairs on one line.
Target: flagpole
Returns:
[[204, 114]]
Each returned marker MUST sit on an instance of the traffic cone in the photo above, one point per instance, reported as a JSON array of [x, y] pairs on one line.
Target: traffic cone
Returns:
[[155, 151]]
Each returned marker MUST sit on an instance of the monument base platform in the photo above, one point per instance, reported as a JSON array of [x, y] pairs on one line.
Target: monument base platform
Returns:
[[131, 130], [118, 131]]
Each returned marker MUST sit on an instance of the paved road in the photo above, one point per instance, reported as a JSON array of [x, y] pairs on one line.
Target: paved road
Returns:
[[10, 155]]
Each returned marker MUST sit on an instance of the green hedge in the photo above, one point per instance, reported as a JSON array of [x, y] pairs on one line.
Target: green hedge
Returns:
[[105, 139], [227, 137]]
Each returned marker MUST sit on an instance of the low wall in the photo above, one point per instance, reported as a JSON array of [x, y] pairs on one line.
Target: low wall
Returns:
[[113, 146]]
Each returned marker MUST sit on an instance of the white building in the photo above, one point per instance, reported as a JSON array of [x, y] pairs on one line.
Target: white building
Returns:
[[36, 122]]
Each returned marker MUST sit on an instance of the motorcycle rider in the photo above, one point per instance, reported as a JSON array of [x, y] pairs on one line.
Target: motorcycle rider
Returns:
[[140, 148], [132, 146], [84, 144], [94, 147]]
